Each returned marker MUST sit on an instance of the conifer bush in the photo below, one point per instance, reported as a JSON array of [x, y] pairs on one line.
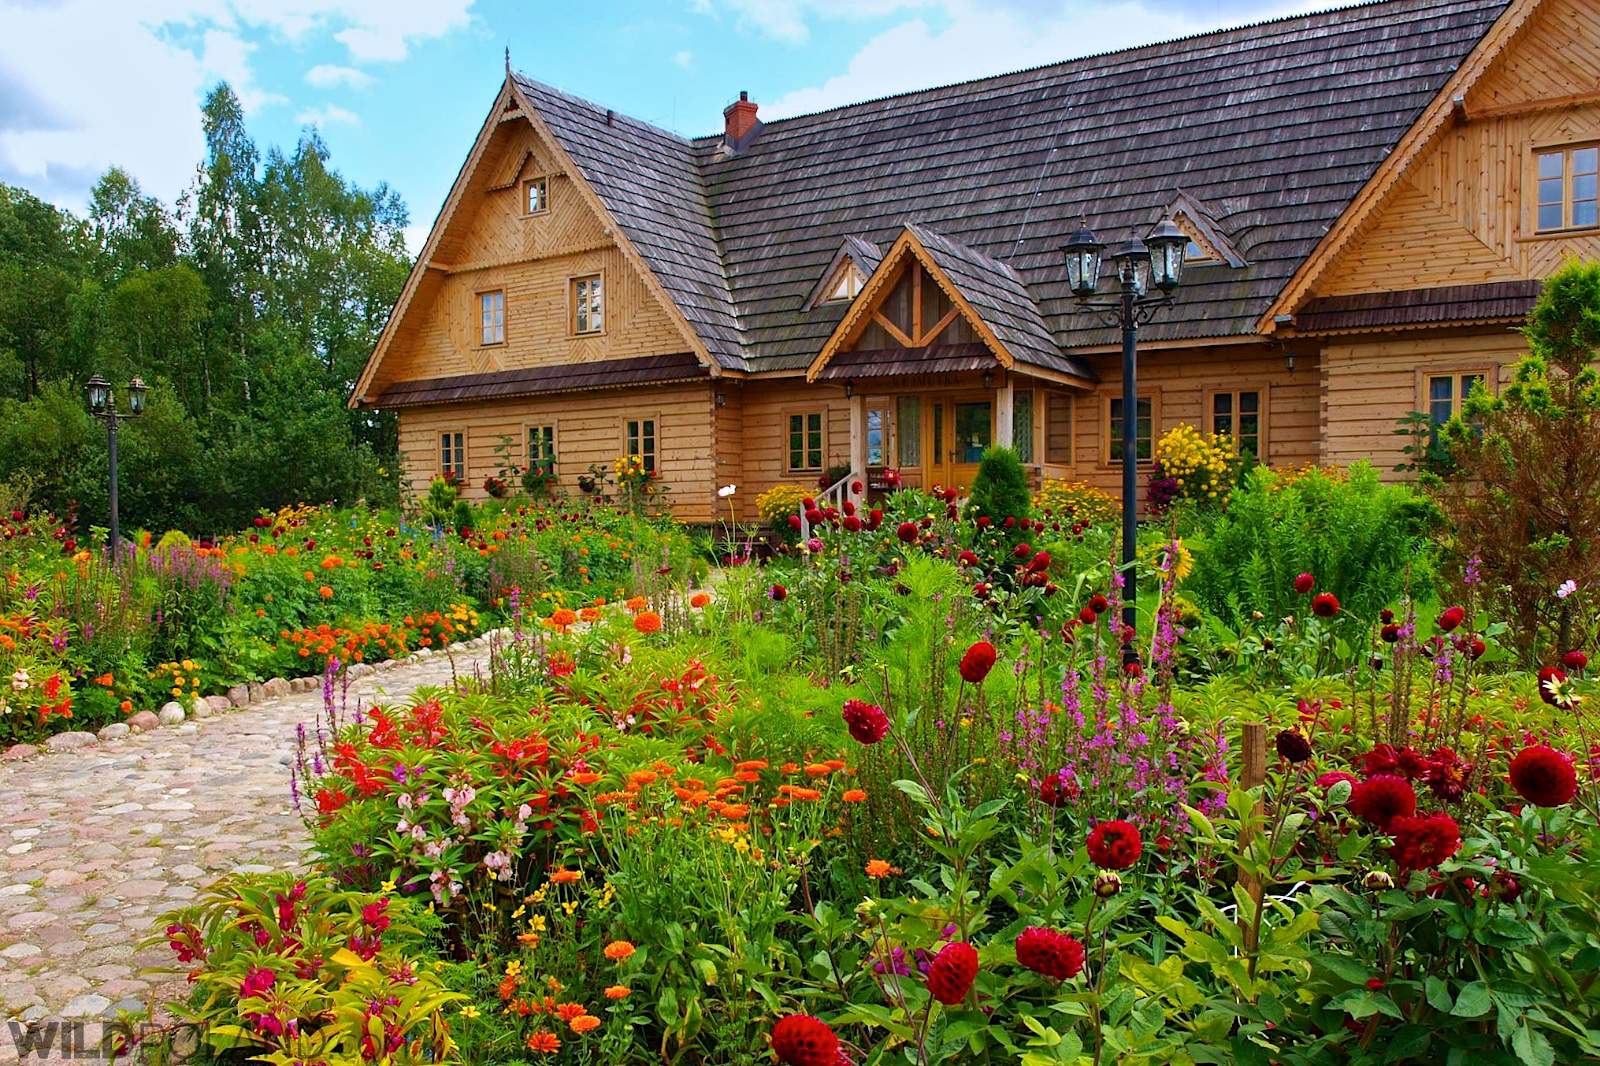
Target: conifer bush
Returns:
[[1000, 491]]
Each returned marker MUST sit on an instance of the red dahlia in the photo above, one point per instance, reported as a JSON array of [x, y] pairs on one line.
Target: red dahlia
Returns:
[[1423, 843], [1324, 605], [1293, 745], [907, 532], [1053, 793], [1382, 798], [1451, 617], [778, 592], [953, 970], [1115, 845], [866, 721], [1544, 777], [801, 1040], [1050, 952], [1099, 604], [1574, 660], [1304, 583], [977, 662]]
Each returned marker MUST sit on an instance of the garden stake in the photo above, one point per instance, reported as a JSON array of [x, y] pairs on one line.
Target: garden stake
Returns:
[[1253, 744]]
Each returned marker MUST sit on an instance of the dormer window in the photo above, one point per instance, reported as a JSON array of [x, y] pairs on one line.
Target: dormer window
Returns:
[[846, 285], [1195, 255], [536, 196]]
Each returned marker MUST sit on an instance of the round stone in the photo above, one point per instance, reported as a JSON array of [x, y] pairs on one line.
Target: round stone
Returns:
[[143, 722], [172, 714], [20, 751], [114, 731], [76, 738], [239, 695]]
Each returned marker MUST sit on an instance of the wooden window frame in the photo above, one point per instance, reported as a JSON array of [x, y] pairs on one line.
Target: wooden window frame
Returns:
[[1154, 396], [1531, 183], [1263, 416], [799, 412], [1489, 373], [846, 269], [645, 417], [465, 451], [522, 190], [505, 317], [572, 304], [1042, 415], [555, 439]]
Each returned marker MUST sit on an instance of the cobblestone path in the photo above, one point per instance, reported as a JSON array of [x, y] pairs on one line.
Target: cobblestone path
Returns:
[[95, 844]]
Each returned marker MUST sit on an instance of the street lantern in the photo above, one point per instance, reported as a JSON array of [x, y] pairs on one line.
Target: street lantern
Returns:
[[136, 394], [103, 405], [1140, 266], [1167, 244], [1083, 262]]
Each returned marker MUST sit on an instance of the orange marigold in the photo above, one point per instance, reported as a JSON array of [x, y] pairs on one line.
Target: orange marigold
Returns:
[[545, 1043], [618, 992], [584, 1023], [855, 795], [589, 614], [647, 622], [563, 617], [618, 950], [586, 777], [818, 769], [878, 868], [699, 599], [751, 764], [568, 1011], [325, 592], [565, 877], [637, 604], [735, 811]]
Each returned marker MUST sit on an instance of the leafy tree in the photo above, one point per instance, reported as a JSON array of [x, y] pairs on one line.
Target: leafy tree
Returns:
[[1526, 499]]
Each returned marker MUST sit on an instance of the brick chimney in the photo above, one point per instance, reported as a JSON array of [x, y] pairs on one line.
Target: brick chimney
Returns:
[[739, 120]]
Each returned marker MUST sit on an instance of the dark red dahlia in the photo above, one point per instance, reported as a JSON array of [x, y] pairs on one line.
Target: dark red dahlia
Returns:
[[1382, 759], [801, 1040], [1382, 798], [1304, 583], [1450, 618], [1115, 845], [953, 970], [1324, 605], [1293, 745], [1049, 952], [1390, 633], [907, 532], [1423, 843], [1447, 775], [852, 523], [1053, 792], [1088, 617], [1574, 660], [1553, 686], [779, 593], [1099, 604], [866, 721], [977, 662], [1544, 776], [1039, 563]]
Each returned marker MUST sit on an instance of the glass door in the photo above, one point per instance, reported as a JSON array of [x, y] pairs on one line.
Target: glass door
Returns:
[[971, 433]]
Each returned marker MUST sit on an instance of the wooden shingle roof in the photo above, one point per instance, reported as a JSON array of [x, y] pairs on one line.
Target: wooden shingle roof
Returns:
[[1275, 127]]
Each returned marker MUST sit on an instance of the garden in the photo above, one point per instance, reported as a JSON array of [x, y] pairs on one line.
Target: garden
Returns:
[[912, 792]]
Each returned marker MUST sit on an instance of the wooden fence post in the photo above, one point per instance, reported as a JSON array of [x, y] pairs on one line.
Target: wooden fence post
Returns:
[[1253, 751]]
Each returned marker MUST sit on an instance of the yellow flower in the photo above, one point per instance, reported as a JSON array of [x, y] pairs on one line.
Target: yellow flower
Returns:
[[387, 886]]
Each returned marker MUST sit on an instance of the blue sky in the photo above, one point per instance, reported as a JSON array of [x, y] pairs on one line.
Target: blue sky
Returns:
[[398, 88]]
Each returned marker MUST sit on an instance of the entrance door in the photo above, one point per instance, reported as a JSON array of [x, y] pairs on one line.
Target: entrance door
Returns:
[[971, 432]]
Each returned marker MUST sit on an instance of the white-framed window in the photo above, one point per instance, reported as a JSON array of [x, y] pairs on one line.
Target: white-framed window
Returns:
[[805, 441], [589, 304], [639, 438], [846, 285], [453, 454], [492, 317], [1568, 184], [536, 196]]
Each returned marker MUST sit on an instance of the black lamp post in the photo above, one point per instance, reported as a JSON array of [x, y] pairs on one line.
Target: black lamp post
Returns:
[[1148, 272], [103, 405]]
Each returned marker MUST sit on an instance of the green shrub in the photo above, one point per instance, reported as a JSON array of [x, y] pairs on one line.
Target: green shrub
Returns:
[[1000, 490], [1362, 540]]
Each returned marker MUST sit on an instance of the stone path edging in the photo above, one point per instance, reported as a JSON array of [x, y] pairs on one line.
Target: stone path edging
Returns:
[[98, 842]]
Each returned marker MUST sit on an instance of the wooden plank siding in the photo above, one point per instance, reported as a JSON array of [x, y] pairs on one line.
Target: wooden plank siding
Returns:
[[1369, 384], [588, 430]]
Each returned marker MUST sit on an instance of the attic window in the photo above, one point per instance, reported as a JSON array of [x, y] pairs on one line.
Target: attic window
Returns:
[[1194, 253], [846, 285], [536, 196]]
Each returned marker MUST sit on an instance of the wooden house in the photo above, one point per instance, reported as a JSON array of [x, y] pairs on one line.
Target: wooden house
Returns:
[[1371, 195]]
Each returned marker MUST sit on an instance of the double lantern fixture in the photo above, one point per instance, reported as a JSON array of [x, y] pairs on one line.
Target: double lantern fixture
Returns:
[[103, 405], [1147, 273]]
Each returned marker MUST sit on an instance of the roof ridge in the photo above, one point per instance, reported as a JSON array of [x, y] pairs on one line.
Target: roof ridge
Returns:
[[700, 140]]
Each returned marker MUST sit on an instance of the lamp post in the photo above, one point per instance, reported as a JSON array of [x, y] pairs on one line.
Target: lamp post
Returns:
[[1147, 273], [103, 405]]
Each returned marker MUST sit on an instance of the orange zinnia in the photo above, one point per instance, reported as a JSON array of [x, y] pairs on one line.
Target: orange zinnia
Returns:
[[618, 950], [565, 877], [878, 868], [735, 811], [547, 1043], [818, 769], [583, 1023], [586, 777], [637, 604], [699, 599], [647, 622], [568, 1011], [325, 592], [563, 617]]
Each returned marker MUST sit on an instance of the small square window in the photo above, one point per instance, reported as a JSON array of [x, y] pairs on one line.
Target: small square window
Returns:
[[536, 196], [805, 443], [588, 304], [492, 308]]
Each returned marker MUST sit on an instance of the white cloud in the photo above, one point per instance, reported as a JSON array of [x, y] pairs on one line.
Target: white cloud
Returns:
[[977, 39], [790, 20], [371, 30], [684, 58], [327, 115], [329, 76]]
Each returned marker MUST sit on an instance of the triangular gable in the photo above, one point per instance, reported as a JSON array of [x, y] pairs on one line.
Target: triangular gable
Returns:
[[1359, 213], [426, 271], [986, 293], [1196, 220], [858, 253]]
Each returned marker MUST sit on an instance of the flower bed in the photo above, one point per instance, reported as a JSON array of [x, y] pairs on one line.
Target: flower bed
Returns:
[[680, 832], [84, 643]]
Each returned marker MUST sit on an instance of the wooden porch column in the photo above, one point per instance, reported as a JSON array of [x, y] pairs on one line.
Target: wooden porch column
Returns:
[[1003, 415], [858, 437]]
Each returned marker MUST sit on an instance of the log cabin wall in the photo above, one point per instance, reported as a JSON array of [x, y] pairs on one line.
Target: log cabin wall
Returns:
[[588, 429]]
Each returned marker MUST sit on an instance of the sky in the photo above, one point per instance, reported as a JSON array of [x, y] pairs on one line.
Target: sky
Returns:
[[398, 88]]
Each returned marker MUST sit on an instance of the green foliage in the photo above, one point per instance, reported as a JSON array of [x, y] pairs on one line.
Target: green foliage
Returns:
[[1000, 490], [1362, 540]]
